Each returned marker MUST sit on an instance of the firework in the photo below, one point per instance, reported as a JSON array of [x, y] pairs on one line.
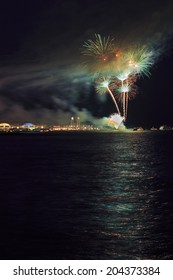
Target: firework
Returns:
[[102, 86], [125, 90], [140, 61], [116, 71], [124, 93], [99, 54], [100, 47], [122, 76]]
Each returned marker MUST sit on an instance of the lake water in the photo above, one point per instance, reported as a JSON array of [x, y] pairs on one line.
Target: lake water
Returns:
[[87, 196]]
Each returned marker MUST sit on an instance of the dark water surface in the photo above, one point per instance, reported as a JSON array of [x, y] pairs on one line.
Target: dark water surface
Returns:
[[87, 196]]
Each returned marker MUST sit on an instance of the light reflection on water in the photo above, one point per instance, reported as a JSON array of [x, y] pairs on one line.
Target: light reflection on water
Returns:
[[90, 196], [129, 211]]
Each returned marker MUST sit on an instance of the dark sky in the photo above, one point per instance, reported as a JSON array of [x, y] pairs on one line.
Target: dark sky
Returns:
[[42, 79]]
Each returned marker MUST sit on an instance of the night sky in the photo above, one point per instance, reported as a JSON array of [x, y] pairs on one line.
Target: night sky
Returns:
[[42, 78]]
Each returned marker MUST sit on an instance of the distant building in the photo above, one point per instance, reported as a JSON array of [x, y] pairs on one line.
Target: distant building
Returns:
[[5, 126], [165, 127], [138, 129], [78, 122], [153, 128], [55, 128], [72, 121], [28, 126]]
